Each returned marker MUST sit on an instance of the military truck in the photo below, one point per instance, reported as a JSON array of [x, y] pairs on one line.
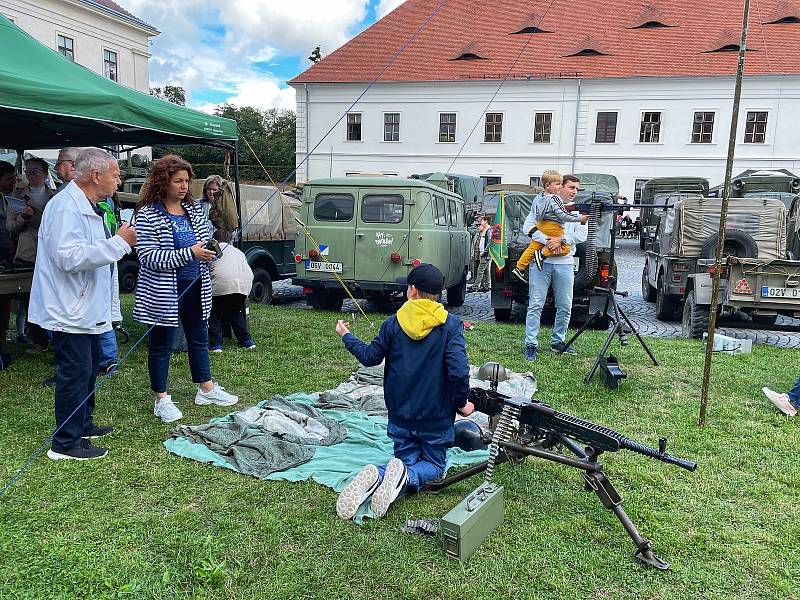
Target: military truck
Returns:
[[372, 230], [758, 282], [663, 191], [592, 258], [765, 183]]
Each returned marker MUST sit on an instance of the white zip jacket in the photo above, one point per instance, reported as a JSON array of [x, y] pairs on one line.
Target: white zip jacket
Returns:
[[231, 274], [74, 290]]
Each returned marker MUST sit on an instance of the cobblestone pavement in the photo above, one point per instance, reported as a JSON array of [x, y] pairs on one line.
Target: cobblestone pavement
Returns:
[[630, 261]]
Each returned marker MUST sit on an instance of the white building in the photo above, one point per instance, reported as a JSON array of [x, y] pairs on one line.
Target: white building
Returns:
[[650, 97], [98, 34]]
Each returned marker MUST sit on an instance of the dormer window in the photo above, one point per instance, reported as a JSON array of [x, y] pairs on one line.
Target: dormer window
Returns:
[[531, 29], [588, 52], [532, 24], [729, 40], [470, 52], [651, 25], [728, 48], [784, 20], [785, 13], [586, 46], [650, 17]]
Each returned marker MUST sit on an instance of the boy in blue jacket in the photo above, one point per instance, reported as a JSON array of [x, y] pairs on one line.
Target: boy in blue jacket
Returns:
[[425, 382]]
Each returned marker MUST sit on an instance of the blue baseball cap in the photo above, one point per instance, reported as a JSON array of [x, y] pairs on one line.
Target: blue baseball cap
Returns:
[[426, 278]]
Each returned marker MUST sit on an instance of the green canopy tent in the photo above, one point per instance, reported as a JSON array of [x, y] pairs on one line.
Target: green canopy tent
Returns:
[[48, 101]]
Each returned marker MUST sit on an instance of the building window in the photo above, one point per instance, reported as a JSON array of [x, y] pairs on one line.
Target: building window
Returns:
[[447, 127], [606, 131], [703, 127], [637, 190], [536, 181], [650, 130], [66, 46], [542, 124], [391, 127], [755, 129], [110, 65], [353, 127], [491, 180], [494, 127]]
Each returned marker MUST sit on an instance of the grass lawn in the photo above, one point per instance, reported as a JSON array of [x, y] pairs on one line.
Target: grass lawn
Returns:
[[143, 523]]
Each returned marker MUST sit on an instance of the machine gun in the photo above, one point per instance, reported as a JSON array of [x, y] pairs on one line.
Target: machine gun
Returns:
[[524, 427]]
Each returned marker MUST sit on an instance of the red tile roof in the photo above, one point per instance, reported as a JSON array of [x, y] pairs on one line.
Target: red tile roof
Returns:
[[682, 48]]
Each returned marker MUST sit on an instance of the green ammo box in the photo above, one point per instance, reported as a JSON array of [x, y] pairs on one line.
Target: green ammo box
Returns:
[[466, 526]]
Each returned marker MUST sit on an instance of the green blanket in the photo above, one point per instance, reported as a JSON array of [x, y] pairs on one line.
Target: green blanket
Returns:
[[334, 465]]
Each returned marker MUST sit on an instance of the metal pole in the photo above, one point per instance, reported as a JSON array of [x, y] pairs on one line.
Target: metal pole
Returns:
[[726, 191], [238, 240]]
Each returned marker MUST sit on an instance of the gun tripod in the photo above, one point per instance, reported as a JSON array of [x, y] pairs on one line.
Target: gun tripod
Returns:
[[611, 310], [595, 480]]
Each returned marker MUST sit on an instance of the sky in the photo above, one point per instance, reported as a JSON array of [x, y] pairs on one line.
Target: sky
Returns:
[[243, 51]]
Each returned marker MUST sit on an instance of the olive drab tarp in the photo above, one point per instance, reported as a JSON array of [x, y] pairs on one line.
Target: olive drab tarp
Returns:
[[275, 221], [693, 220], [48, 101]]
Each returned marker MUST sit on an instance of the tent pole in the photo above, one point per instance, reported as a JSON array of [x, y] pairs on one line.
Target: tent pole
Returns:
[[726, 192], [236, 187]]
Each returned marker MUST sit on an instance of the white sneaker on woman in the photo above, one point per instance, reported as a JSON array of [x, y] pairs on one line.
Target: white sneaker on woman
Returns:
[[216, 395], [166, 410]]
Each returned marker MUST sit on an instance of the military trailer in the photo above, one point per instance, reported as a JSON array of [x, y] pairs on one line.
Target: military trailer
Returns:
[[757, 280], [593, 262], [371, 230], [663, 191]]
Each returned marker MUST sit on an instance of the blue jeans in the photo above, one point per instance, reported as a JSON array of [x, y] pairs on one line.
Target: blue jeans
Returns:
[[561, 277], [423, 452], [190, 312], [794, 394], [108, 348], [76, 356]]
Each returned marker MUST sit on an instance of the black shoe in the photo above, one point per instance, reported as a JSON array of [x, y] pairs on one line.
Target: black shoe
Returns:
[[109, 369], [97, 432], [50, 382], [530, 352], [561, 348], [83, 450]]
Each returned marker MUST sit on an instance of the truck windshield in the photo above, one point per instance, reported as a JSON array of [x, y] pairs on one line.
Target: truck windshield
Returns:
[[333, 207], [784, 197]]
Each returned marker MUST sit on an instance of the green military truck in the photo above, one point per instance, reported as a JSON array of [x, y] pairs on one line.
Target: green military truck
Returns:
[[663, 191], [758, 282], [592, 258], [372, 230]]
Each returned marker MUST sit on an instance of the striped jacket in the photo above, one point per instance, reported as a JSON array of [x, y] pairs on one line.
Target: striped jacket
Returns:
[[157, 287]]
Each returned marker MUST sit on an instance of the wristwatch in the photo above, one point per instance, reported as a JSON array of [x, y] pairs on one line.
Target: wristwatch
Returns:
[[563, 241]]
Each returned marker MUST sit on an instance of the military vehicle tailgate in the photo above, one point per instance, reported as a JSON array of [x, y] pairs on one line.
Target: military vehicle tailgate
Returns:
[[773, 284]]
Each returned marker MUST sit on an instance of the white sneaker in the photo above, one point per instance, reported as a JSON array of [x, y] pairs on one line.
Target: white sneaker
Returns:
[[216, 395], [358, 490], [395, 478], [781, 402], [166, 410]]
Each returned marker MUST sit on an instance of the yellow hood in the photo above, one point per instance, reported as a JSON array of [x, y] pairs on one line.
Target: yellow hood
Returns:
[[418, 317]]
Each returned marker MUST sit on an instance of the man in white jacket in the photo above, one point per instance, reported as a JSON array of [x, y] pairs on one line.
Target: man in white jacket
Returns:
[[75, 295]]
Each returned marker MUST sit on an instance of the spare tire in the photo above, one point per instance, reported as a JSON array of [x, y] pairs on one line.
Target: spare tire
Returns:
[[737, 243]]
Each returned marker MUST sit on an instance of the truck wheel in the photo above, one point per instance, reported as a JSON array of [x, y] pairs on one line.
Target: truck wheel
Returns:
[[502, 315], [261, 292], [648, 291], [695, 318], [665, 304], [332, 300], [128, 276], [765, 319], [457, 293], [737, 243]]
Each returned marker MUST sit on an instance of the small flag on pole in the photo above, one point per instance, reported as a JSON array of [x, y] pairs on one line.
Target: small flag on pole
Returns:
[[498, 249]]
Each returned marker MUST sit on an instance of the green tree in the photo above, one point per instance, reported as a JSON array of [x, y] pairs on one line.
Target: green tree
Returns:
[[171, 93]]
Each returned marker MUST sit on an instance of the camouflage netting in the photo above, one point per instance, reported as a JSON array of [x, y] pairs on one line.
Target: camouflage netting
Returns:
[[694, 220]]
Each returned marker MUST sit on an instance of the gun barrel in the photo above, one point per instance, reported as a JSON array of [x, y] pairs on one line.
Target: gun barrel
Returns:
[[653, 453]]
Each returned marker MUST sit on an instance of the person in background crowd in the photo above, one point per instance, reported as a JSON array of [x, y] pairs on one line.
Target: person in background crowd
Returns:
[[23, 217], [65, 166], [8, 179], [212, 191], [231, 281], [108, 339], [75, 294], [174, 282], [482, 254]]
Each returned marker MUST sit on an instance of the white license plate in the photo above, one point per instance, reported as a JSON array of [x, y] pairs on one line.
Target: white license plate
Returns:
[[325, 267], [576, 265], [779, 292]]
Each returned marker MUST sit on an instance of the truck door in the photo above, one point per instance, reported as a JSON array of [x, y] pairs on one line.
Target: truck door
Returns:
[[332, 222], [383, 224], [458, 240]]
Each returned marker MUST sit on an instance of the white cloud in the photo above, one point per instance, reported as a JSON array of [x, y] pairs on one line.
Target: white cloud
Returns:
[[387, 6], [186, 52], [260, 93]]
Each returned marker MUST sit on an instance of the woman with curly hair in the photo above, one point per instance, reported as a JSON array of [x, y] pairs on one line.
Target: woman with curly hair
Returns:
[[174, 282]]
